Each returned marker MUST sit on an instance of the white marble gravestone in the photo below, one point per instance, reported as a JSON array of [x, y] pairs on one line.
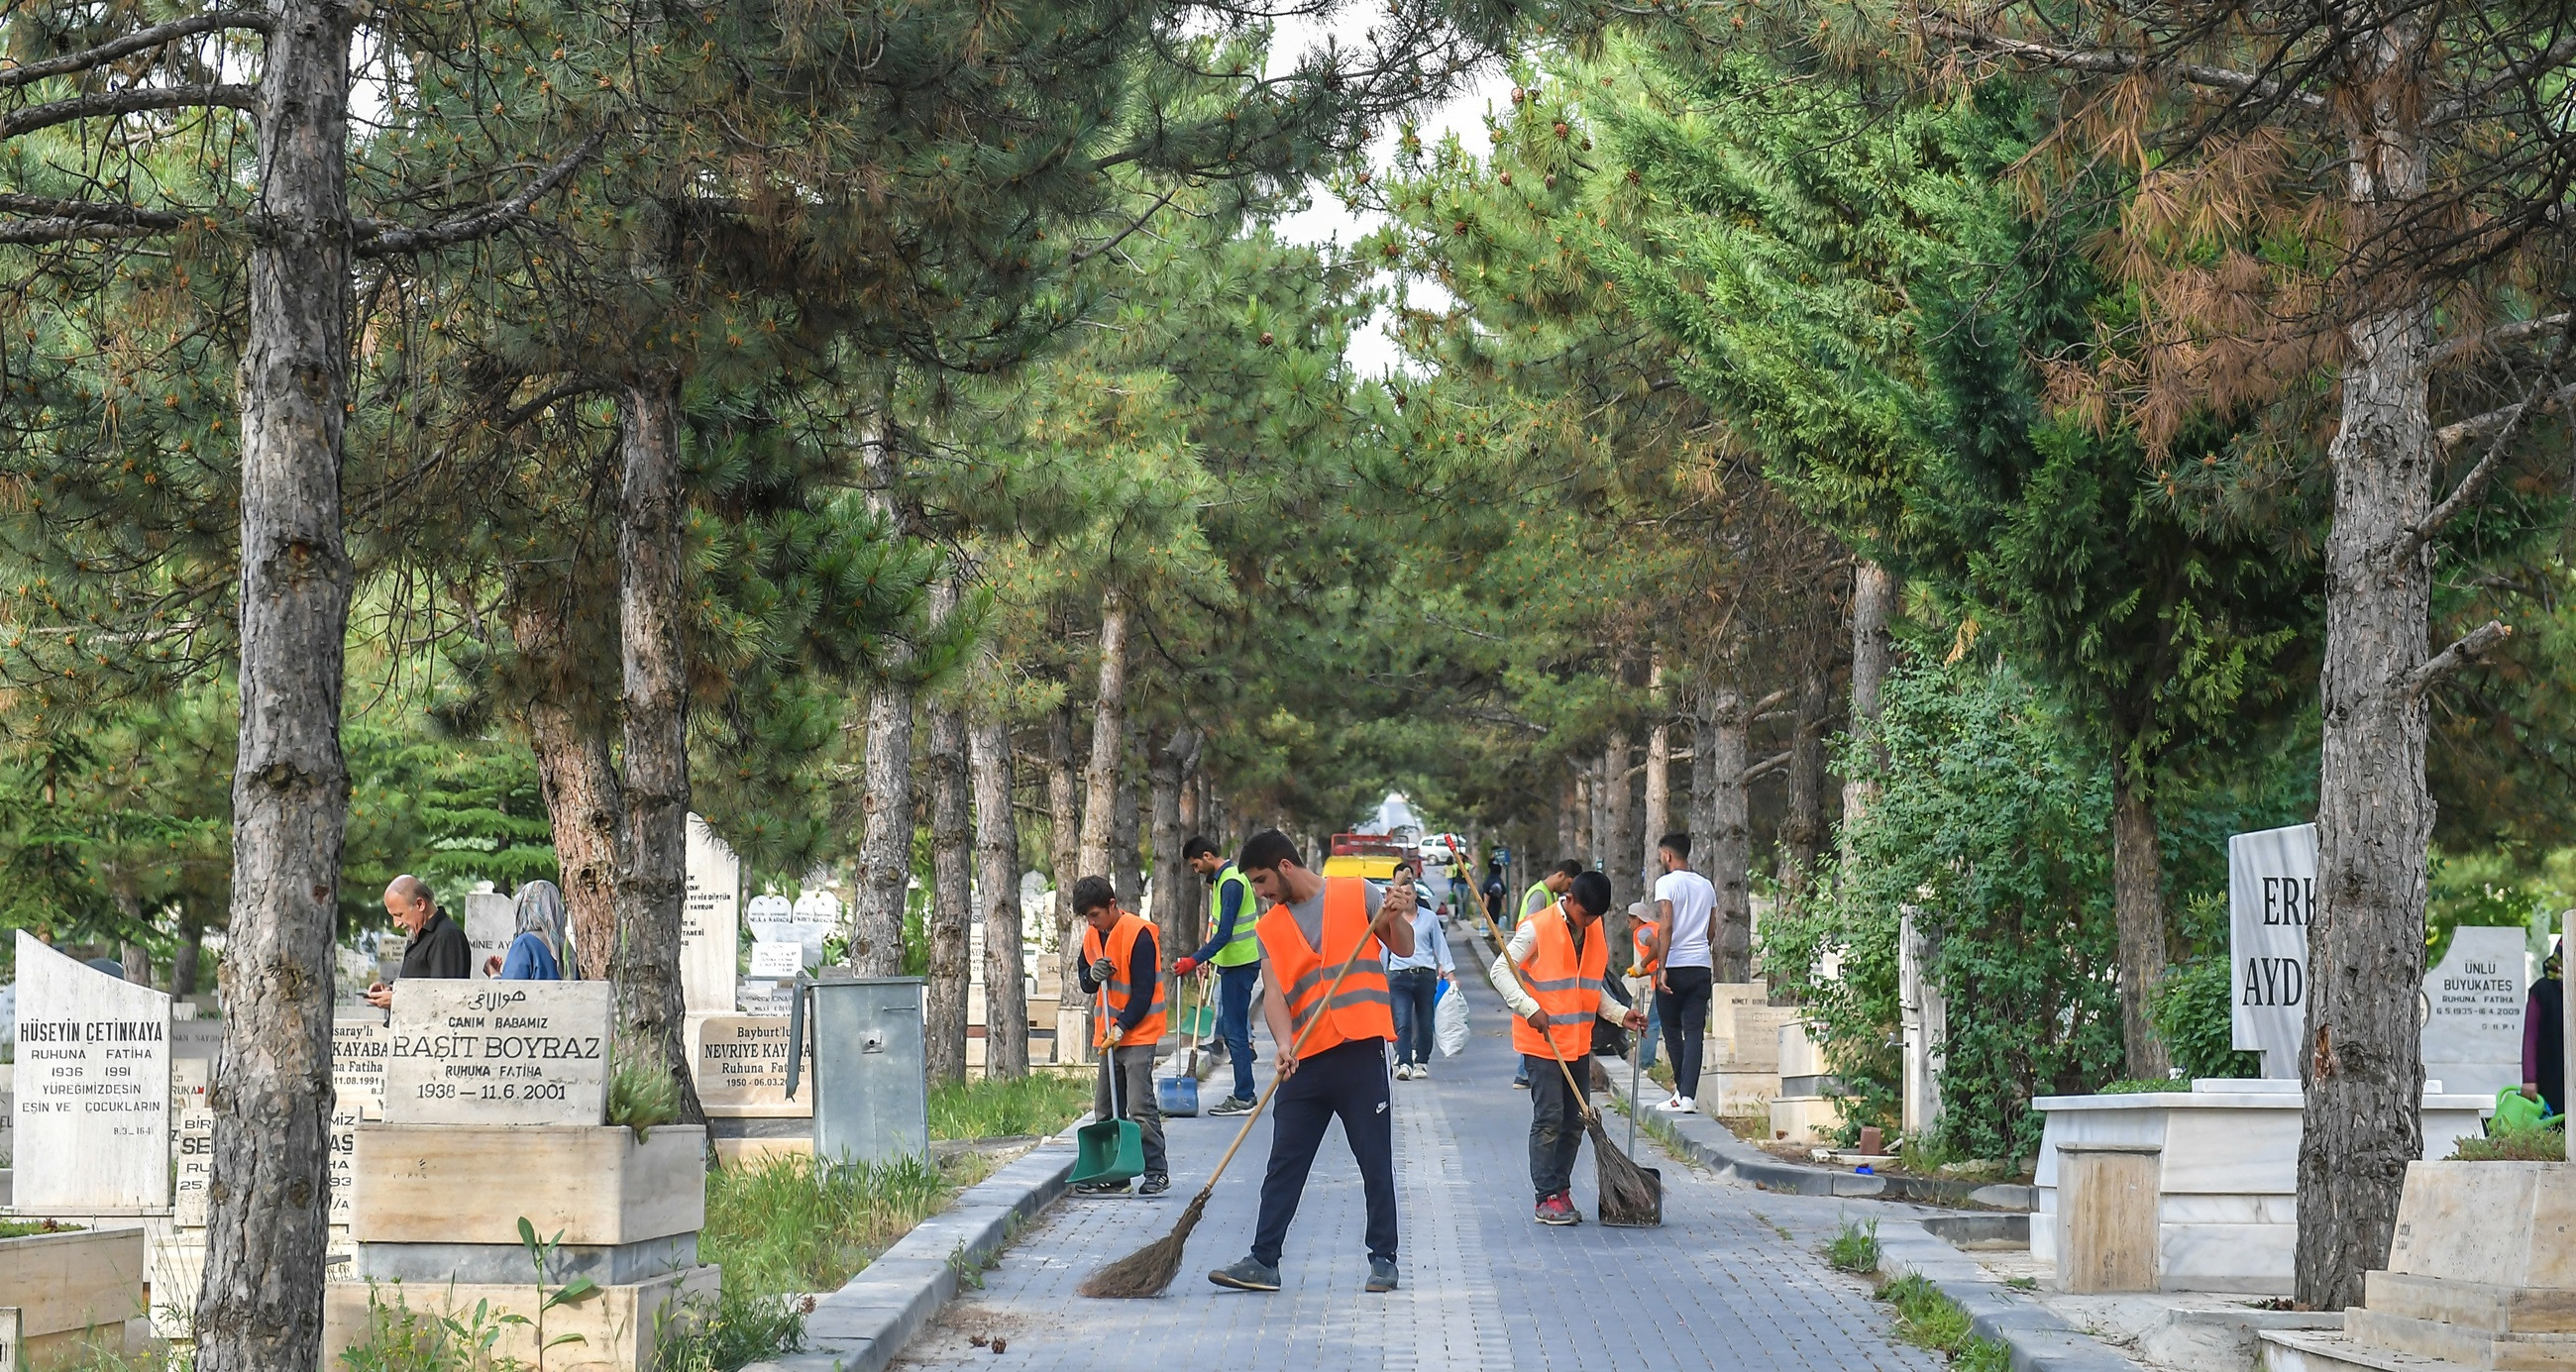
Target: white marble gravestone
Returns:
[[12, 1337], [818, 915], [491, 921], [498, 1052], [772, 919], [2271, 887], [710, 920], [2472, 1013], [93, 1089], [192, 1147]]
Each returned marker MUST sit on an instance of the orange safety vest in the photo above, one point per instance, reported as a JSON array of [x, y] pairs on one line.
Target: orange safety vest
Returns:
[[1567, 985], [1361, 1007], [1642, 934], [1122, 955]]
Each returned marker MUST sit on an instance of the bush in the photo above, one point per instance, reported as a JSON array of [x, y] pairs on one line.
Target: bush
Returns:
[[2520, 1145], [2194, 1010], [1989, 829], [642, 1092]]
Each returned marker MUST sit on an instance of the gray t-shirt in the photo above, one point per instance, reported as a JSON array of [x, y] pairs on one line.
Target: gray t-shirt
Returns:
[[1309, 913]]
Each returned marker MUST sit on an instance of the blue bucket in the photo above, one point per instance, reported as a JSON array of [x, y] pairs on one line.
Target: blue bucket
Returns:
[[1177, 1095]]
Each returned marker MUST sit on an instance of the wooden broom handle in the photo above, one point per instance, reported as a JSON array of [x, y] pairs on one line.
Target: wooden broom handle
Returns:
[[1299, 1042]]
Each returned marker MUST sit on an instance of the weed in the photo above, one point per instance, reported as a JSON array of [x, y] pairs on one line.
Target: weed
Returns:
[[28, 1229], [401, 1339], [1928, 1319], [792, 1224], [2022, 1283], [1855, 1249], [642, 1092], [2141, 1086], [1039, 1103], [2520, 1145], [733, 1330]]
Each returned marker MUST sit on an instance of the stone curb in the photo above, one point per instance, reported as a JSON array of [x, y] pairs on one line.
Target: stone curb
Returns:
[[865, 1324], [2038, 1340], [1714, 1146]]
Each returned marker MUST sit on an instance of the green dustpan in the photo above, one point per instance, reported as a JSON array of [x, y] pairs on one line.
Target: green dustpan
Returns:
[[1113, 1149]]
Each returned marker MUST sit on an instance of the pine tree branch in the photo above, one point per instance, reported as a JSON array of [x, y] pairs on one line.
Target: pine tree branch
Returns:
[[2473, 487], [133, 100], [375, 239], [60, 221], [2556, 55], [2458, 432], [2468, 649], [134, 42], [2497, 337], [1766, 766], [1141, 221], [2123, 64]]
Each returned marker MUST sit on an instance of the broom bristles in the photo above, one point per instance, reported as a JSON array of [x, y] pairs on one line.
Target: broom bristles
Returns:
[[1627, 1192], [1148, 1270]]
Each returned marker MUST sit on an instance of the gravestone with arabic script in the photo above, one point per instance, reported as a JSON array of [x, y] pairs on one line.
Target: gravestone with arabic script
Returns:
[[498, 1052]]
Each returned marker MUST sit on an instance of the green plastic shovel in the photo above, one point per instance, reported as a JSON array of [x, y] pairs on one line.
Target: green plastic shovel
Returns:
[[1112, 1149]]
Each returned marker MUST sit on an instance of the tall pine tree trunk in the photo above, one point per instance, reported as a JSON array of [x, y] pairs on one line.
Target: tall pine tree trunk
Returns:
[[578, 779], [1725, 733], [2362, 1068], [1873, 652], [1108, 735], [1064, 832], [1802, 835], [184, 962], [1172, 763], [997, 859], [951, 900], [260, 1306], [1569, 823], [1618, 831], [1659, 782], [884, 868], [653, 849], [2137, 902], [1587, 812], [1126, 837]]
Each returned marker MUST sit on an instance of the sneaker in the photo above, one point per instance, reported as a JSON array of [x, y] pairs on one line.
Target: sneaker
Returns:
[[1155, 1184], [1250, 1274], [1422, 1071], [1558, 1209], [1685, 1105], [1381, 1274], [1520, 1080], [1673, 1105], [1404, 1071], [1231, 1105], [1103, 1188]]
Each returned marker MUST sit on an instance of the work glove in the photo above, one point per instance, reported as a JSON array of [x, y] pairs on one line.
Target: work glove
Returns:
[[1185, 966], [1116, 1032], [1100, 971]]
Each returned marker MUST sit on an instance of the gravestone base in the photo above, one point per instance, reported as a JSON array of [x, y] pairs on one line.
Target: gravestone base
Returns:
[[609, 1264], [471, 1183], [1804, 1119], [618, 1324], [1729, 1089], [2480, 1275], [75, 1292]]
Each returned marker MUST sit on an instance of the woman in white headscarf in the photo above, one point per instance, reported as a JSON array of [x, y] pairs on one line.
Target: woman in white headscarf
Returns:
[[540, 951]]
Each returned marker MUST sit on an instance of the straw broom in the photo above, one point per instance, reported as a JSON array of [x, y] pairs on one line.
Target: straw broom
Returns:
[[1627, 1193], [1150, 1269]]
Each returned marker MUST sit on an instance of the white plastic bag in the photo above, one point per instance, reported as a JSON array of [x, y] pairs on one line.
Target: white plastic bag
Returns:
[[1449, 1022]]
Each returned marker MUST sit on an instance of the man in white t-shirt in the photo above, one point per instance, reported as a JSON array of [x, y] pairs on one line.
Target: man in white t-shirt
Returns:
[[1684, 905]]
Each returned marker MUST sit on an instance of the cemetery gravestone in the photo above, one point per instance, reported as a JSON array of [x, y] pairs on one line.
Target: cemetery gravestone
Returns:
[[359, 1046], [511, 1052], [710, 920], [742, 1068], [491, 921], [192, 1144], [2472, 1013], [776, 961], [93, 1089], [818, 914], [12, 1334], [2271, 887], [772, 919]]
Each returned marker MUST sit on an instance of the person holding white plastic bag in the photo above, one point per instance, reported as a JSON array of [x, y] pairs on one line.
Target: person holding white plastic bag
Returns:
[[1415, 979]]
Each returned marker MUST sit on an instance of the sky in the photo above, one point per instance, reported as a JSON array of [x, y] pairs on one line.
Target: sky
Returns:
[[1326, 219]]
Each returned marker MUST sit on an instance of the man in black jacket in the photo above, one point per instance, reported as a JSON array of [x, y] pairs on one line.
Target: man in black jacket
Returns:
[[437, 949]]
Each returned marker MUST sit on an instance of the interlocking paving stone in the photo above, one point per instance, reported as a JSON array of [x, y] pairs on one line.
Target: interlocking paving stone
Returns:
[[1485, 1289]]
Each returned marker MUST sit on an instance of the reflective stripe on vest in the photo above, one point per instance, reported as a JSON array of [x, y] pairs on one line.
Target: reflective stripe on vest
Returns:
[[1121, 952], [1567, 986], [1245, 946], [1360, 1008], [1643, 936]]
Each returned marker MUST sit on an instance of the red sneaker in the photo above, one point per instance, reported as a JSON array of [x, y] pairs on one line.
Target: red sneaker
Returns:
[[1558, 1209]]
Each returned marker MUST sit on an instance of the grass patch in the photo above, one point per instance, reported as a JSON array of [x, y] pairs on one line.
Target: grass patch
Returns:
[[2022, 1283], [28, 1229], [1039, 1103], [788, 1225], [1928, 1319], [728, 1333], [2520, 1145], [2137, 1086], [1855, 1249]]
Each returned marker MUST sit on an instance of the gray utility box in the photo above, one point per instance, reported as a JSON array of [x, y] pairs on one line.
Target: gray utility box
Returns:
[[871, 1092]]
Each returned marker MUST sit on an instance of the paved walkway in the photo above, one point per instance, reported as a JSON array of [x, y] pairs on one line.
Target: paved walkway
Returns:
[[1731, 1281]]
